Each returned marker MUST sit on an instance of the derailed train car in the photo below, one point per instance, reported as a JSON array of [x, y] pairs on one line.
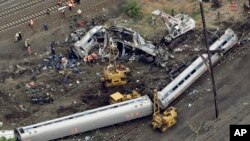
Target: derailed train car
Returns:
[[86, 121], [196, 69], [128, 110]]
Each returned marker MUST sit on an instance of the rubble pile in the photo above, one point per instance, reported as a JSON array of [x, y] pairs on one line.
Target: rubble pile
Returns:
[[60, 63]]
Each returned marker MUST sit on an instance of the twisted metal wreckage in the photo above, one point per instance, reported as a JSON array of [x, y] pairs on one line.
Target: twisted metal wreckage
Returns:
[[130, 44]]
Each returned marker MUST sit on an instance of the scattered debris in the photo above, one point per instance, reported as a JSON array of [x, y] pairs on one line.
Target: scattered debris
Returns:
[[30, 84], [87, 138], [43, 99], [60, 63], [22, 107], [245, 103]]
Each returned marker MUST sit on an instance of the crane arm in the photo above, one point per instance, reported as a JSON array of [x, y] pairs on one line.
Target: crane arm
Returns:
[[167, 19]]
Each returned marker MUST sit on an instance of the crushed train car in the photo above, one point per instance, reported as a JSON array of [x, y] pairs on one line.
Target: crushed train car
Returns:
[[82, 47], [126, 39]]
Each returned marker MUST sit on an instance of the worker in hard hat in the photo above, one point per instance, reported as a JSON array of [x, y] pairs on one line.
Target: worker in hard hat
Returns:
[[20, 35], [63, 13], [120, 67], [85, 59], [64, 62], [31, 23], [94, 55], [90, 58], [27, 43], [59, 2], [27, 46], [70, 5], [16, 37]]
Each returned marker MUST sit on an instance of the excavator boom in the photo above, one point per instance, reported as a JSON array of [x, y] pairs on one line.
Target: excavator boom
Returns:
[[176, 26]]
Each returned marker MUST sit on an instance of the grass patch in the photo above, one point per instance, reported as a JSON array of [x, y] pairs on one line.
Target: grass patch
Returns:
[[4, 139], [132, 9], [196, 14]]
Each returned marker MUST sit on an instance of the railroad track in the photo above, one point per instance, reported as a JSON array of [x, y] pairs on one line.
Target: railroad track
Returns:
[[128, 130], [26, 18], [237, 117], [243, 112], [21, 6], [3, 1], [41, 13]]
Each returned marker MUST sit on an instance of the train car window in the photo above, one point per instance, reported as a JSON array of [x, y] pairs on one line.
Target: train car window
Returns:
[[82, 49], [192, 72], [224, 43], [89, 40], [187, 77], [168, 93], [175, 87], [181, 82], [21, 130]]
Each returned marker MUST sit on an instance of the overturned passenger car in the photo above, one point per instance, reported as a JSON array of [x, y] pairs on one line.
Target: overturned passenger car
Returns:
[[82, 47], [125, 38]]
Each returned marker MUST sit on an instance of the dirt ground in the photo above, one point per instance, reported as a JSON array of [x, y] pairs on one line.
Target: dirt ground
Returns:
[[83, 90]]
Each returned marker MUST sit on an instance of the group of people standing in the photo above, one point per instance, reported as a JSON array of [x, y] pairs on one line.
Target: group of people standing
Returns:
[[19, 36]]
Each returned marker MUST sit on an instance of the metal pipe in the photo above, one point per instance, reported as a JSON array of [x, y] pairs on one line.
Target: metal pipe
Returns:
[[209, 60]]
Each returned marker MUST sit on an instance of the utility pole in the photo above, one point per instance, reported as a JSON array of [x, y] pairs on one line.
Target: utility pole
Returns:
[[209, 59]]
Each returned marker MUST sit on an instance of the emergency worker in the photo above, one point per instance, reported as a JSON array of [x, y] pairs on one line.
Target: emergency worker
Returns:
[[16, 37], [20, 35], [27, 46], [31, 23]]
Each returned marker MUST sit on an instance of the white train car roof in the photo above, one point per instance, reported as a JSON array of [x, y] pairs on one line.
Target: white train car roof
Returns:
[[87, 120], [195, 70]]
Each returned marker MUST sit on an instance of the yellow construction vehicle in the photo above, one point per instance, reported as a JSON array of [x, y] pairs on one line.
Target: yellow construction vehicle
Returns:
[[118, 97], [165, 120], [114, 75]]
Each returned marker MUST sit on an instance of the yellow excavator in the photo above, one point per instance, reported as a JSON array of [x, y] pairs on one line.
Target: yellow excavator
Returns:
[[113, 74], [118, 97], [164, 120]]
